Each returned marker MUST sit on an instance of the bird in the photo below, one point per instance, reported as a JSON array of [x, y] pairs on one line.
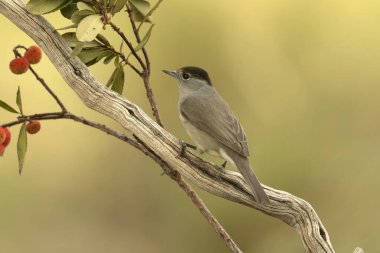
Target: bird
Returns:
[[212, 125]]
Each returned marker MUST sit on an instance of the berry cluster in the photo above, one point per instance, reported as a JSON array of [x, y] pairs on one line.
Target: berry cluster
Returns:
[[20, 65], [5, 138]]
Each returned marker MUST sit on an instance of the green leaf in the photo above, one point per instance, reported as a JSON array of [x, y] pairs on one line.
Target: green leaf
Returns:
[[116, 61], [22, 145], [147, 16], [69, 10], [118, 6], [105, 54], [7, 107], [72, 40], [78, 48], [89, 27], [104, 3], [103, 40], [66, 3], [18, 100], [121, 46], [98, 58], [78, 16], [110, 80], [67, 27], [140, 9], [109, 58], [84, 6], [118, 80], [39, 7], [90, 54], [145, 39]]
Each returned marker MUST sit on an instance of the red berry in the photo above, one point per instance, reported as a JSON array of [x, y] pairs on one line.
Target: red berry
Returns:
[[33, 127], [3, 135], [2, 148], [19, 65], [33, 54], [7, 138]]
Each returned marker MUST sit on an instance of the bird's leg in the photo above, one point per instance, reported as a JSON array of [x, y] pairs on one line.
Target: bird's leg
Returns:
[[224, 164], [185, 145]]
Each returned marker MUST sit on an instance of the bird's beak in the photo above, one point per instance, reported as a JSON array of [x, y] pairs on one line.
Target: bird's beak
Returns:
[[170, 72]]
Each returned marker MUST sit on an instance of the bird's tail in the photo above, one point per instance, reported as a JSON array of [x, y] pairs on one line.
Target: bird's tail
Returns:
[[244, 167]]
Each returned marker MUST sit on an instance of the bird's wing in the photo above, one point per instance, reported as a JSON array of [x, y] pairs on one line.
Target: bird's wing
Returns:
[[211, 114]]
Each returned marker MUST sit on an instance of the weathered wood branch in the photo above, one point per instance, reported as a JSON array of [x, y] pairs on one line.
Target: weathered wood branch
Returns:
[[294, 211]]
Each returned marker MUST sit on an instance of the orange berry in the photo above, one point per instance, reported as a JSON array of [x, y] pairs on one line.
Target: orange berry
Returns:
[[19, 65], [33, 127], [2, 148], [33, 54], [3, 135], [7, 137]]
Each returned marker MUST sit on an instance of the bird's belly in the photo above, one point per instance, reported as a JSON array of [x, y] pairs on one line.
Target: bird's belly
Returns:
[[203, 141]]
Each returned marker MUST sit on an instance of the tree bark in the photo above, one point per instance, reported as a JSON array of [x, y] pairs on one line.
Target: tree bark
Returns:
[[294, 211]]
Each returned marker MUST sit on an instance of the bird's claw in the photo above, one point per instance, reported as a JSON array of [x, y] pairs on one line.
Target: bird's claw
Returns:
[[184, 145]]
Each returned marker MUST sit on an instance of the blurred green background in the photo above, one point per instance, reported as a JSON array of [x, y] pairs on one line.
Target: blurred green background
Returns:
[[302, 76]]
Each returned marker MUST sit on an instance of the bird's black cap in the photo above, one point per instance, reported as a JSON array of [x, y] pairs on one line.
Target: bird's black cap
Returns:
[[197, 73]]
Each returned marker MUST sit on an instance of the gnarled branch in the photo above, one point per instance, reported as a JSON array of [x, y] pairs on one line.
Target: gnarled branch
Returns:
[[294, 211]]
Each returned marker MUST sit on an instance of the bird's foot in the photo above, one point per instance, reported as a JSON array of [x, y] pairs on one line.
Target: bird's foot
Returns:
[[224, 165], [184, 146]]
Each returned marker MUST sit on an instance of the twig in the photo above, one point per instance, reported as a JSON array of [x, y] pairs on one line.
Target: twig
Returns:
[[67, 115], [42, 81], [150, 96], [124, 59], [40, 116], [205, 212], [138, 39], [146, 69], [129, 44], [146, 73]]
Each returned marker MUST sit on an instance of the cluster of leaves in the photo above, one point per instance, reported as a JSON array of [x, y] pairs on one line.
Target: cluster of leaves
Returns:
[[22, 137], [89, 18]]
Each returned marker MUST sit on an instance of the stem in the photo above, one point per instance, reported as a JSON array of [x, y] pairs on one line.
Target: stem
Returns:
[[124, 59], [138, 39], [206, 212], [150, 96], [146, 73], [129, 44], [42, 81], [40, 116], [67, 115]]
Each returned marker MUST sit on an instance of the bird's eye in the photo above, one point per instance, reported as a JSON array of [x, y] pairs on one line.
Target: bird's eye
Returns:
[[185, 76]]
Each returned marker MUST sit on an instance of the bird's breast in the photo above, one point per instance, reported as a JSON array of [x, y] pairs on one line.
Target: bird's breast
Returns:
[[202, 140]]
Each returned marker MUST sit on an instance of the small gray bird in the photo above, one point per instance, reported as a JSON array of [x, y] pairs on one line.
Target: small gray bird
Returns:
[[212, 125]]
